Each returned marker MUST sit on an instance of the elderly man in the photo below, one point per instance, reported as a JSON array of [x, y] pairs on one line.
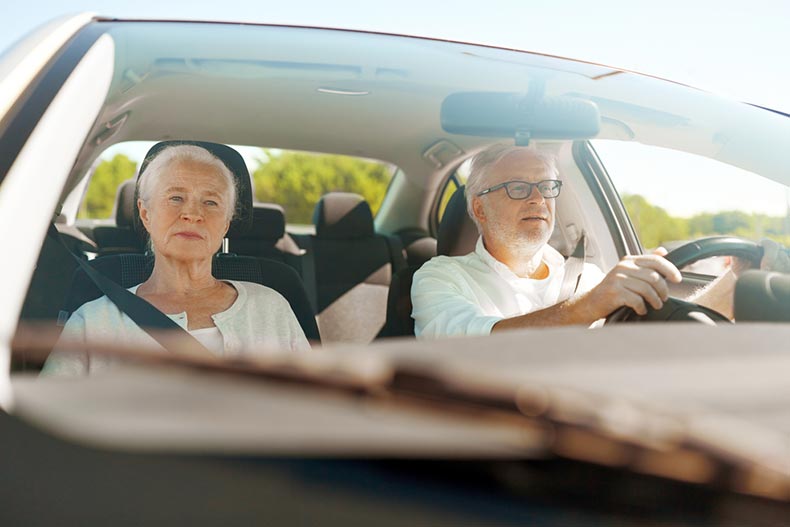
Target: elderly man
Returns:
[[514, 279]]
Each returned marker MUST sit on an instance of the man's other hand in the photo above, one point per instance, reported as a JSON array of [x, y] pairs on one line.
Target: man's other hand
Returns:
[[775, 258]]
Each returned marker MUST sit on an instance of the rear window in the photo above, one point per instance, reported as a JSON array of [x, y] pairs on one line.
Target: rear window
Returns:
[[293, 179], [297, 180]]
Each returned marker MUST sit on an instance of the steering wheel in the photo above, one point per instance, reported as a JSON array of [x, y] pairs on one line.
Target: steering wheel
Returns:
[[687, 254]]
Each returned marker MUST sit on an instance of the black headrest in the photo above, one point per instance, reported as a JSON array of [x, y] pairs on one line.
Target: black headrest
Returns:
[[342, 216], [125, 204], [457, 232], [242, 219], [268, 222]]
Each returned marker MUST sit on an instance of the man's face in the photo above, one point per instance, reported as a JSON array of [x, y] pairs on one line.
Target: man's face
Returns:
[[524, 224]]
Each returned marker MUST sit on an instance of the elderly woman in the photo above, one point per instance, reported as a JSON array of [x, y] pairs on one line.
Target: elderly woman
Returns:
[[186, 201]]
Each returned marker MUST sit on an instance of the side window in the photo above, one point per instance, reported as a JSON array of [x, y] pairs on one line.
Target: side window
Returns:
[[115, 165], [673, 197], [99, 200], [455, 180]]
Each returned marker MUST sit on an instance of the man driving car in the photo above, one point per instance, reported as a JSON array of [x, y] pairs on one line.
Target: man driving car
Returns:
[[514, 279]]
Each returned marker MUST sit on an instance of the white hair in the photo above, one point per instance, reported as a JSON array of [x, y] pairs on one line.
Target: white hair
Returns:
[[189, 153], [485, 159]]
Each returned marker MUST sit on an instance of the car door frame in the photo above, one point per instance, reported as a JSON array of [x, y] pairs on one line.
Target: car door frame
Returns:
[[41, 135]]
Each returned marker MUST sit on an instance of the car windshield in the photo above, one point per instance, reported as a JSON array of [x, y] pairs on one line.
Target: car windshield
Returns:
[[351, 265]]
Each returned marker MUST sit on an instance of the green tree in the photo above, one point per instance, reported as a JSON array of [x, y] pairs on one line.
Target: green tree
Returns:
[[297, 180], [100, 198], [653, 225], [731, 222], [701, 225]]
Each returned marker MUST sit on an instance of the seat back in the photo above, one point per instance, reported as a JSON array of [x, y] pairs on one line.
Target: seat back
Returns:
[[457, 232], [267, 237], [457, 236], [122, 237], [353, 268], [418, 244], [131, 269]]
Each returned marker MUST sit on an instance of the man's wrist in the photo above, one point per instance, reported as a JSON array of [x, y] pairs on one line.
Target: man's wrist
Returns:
[[581, 309], [729, 277]]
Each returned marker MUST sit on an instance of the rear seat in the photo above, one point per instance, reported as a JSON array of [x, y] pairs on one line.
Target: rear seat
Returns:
[[267, 237], [352, 268], [122, 238]]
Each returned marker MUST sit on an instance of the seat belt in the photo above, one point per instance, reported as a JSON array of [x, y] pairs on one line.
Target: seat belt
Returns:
[[142, 313], [395, 248], [574, 266], [308, 270]]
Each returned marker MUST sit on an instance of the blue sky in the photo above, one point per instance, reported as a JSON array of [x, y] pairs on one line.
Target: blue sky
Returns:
[[735, 48]]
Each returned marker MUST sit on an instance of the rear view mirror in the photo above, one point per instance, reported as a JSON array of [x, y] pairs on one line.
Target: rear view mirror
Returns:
[[517, 115]]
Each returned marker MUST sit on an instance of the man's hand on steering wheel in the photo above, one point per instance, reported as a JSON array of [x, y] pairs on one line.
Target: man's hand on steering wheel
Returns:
[[768, 255], [775, 257], [635, 282]]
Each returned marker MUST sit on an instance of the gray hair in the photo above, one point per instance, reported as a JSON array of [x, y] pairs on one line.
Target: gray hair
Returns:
[[189, 153], [485, 159]]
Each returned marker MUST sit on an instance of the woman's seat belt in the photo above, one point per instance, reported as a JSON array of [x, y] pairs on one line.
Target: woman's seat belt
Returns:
[[142, 313]]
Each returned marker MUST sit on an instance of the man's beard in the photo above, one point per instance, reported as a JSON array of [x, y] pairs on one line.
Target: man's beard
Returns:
[[525, 243]]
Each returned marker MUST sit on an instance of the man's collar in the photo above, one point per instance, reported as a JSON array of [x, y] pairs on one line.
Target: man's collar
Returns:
[[550, 256]]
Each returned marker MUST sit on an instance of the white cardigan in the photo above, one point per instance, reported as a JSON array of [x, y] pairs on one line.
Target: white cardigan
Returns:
[[259, 322]]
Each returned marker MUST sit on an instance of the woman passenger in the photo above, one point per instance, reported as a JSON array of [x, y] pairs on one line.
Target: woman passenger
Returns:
[[187, 198]]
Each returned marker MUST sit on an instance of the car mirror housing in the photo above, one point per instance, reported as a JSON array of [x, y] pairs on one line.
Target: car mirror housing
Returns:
[[520, 116]]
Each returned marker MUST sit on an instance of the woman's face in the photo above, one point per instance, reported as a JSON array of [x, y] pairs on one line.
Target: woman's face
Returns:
[[187, 213]]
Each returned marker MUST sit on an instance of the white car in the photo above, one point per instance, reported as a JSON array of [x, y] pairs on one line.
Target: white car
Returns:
[[675, 421]]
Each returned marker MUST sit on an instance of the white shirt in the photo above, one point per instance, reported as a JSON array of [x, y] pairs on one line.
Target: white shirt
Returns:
[[259, 322], [211, 338], [467, 295]]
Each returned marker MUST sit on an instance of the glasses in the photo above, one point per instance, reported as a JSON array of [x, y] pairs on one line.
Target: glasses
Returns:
[[548, 188]]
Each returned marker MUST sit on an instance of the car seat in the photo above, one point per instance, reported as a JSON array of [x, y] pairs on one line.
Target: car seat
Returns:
[[267, 237], [353, 267], [121, 238], [457, 236]]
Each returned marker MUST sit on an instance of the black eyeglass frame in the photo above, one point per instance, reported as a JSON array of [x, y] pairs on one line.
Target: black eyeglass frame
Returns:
[[529, 191]]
